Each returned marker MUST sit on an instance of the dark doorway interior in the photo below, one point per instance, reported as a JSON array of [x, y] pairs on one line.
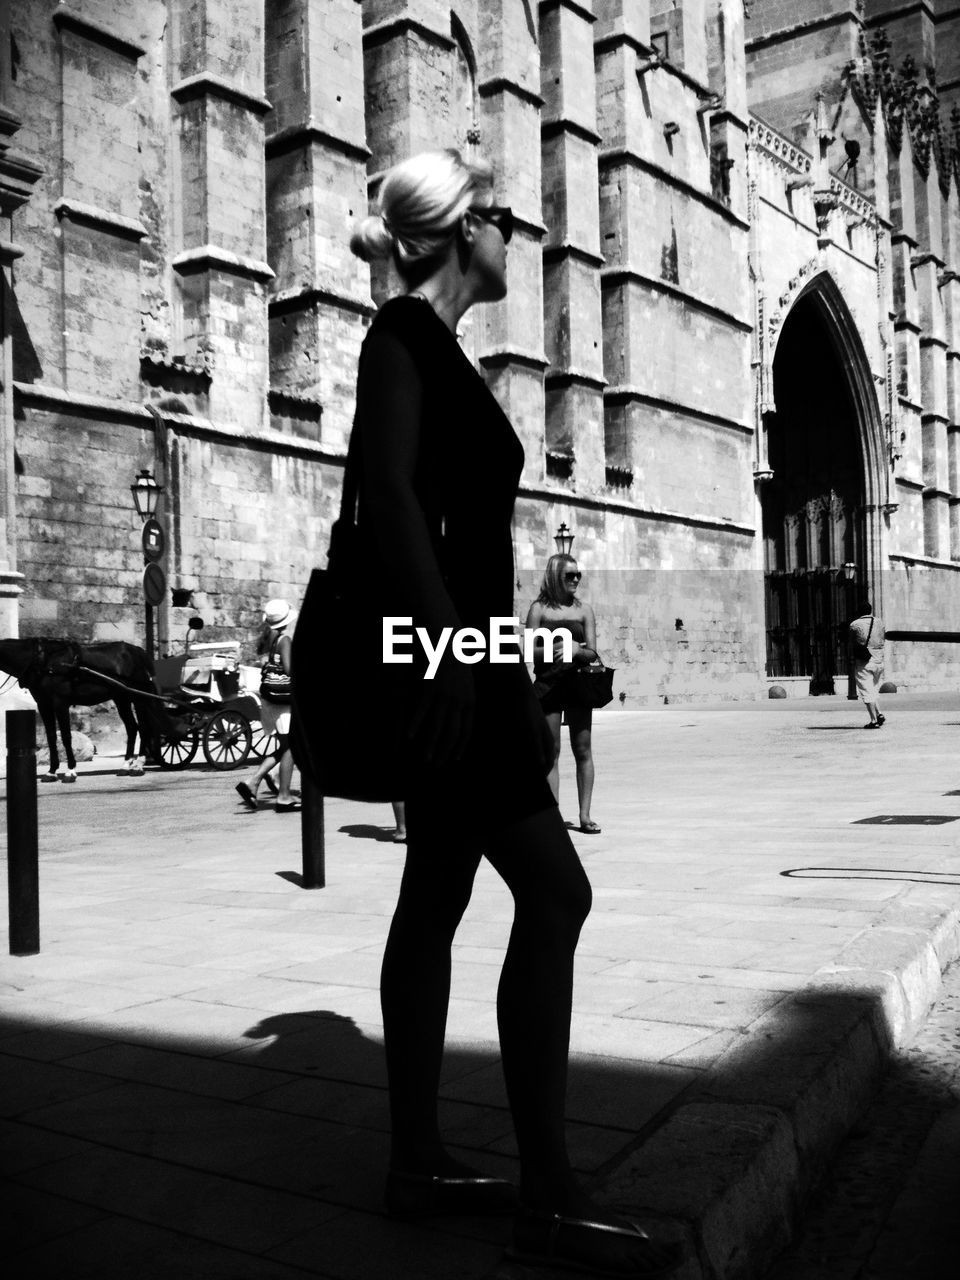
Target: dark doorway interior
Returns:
[[813, 506]]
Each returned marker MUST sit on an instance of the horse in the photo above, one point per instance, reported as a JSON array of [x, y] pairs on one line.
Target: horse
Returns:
[[50, 672]]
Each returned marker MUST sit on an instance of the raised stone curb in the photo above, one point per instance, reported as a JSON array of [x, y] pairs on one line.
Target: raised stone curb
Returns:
[[733, 1165]]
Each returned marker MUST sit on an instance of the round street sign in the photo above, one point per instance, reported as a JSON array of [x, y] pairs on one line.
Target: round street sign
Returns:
[[153, 539], [154, 583]]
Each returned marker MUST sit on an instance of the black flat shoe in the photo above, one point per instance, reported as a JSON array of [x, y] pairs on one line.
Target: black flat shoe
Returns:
[[247, 796], [593, 1248], [415, 1195]]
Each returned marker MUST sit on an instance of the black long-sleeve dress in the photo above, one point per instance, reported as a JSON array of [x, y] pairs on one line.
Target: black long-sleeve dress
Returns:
[[417, 391]]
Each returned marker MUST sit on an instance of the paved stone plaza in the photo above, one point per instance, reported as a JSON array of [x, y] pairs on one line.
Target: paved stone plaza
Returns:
[[191, 1068]]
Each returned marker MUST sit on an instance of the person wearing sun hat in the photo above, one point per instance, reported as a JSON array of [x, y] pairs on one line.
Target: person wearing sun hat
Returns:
[[274, 715]]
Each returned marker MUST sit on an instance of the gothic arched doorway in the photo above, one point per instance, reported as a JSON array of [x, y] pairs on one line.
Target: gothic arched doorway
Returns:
[[813, 507]]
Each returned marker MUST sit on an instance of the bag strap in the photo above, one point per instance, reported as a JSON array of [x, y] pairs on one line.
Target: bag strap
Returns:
[[351, 479], [870, 632]]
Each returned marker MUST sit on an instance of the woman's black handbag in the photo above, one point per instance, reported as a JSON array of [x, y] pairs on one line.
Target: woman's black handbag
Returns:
[[593, 686], [275, 684], [350, 711]]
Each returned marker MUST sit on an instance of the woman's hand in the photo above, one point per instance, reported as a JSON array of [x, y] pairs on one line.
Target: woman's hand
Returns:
[[583, 655], [443, 720], [558, 649]]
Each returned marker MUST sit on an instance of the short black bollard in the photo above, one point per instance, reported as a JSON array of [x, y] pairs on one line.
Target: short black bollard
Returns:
[[312, 835], [23, 878]]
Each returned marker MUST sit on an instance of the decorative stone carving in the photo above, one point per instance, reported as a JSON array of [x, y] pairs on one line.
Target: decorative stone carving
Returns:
[[824, 203], [789, 296]]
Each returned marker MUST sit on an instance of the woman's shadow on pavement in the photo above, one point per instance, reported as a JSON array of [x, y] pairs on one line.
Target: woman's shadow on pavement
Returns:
[[337, 1095]]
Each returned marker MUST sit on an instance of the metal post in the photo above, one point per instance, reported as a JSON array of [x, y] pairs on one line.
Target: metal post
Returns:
[[149, 631], [851, 662], [312, 835], [23, 880]]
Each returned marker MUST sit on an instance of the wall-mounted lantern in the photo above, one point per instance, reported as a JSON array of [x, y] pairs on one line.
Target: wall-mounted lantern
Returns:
[[146, 493], [564, 540]]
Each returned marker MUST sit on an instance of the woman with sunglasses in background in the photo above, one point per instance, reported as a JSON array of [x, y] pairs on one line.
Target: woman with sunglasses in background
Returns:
[[440, 468], [558, 608]]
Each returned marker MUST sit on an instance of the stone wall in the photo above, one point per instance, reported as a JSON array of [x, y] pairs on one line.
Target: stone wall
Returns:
[[923, 598], [188, 302]]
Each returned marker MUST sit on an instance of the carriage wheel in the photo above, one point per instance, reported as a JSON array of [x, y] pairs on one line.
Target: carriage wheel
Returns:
[[176, 753], [226, 739], [264, 743]]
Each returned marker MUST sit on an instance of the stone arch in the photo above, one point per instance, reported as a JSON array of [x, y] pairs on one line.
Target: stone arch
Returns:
[[825, 486], [821, 289]]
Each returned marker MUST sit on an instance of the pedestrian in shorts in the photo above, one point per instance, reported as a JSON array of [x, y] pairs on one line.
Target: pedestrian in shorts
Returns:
[[866, 645]]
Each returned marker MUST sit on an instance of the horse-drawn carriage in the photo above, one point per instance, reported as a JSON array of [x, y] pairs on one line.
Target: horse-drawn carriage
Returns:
[[206, 707], [177, 706]]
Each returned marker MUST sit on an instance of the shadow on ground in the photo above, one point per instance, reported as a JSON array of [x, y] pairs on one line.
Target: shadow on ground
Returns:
[[367, 831], [148, 1152]]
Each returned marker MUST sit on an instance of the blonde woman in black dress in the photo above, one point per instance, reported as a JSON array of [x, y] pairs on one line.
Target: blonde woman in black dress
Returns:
[[440, 468], [559, 608]]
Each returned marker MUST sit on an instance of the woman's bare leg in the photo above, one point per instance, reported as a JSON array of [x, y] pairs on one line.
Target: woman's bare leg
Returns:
[[399, 820], [264, 767], [415, 985], [553, 777], [538, 862], [580, 720], [285, 775]]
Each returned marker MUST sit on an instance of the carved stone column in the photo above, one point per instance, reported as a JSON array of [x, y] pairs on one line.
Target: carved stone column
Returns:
[[18, 174], [408, 57], [218, 110], [316, 189], [511, 337], [573, 329]]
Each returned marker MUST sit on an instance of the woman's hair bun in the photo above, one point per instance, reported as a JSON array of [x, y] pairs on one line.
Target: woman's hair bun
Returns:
[[372, 238], [421, 201]]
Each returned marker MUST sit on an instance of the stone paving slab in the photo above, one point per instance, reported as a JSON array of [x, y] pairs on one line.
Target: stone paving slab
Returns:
[[193, 1068]]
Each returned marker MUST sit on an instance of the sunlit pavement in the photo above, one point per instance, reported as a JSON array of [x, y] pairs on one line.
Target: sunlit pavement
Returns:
[[191, 1066]]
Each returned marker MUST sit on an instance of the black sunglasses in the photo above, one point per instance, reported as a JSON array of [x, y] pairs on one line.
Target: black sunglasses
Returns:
[[571, 575], [500, 215]]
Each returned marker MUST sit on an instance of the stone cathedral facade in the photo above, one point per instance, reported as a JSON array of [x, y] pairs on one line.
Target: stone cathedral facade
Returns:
[[730, 345]]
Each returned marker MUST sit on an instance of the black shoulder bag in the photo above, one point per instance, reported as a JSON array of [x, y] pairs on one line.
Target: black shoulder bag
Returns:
[[593, 685], [350, 712], [274, 681], [861, 648]]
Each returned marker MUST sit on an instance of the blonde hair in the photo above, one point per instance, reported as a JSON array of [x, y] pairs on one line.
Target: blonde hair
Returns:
[[552, 590], [420, 203]]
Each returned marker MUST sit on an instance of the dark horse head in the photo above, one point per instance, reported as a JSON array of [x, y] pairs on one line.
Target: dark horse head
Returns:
[[17, 656]]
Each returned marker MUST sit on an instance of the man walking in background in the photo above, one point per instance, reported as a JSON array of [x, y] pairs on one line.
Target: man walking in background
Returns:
[[866, 647]]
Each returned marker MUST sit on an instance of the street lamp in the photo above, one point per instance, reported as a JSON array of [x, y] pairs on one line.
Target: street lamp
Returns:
[[848, 572], [564, 540], [146, 493]]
